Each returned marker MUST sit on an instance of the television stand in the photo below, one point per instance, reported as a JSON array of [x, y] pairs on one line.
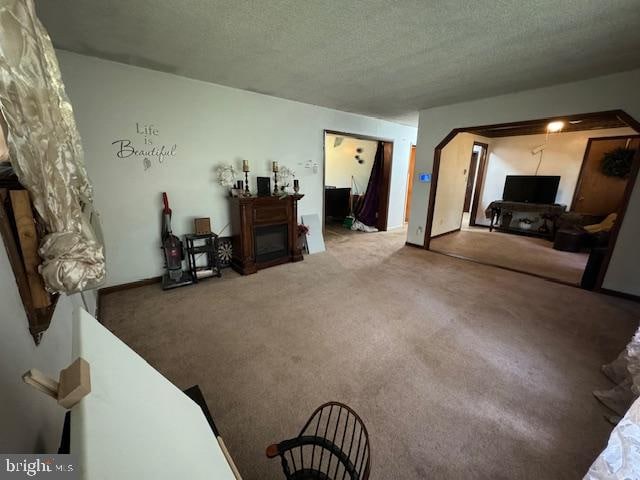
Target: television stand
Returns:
[[501, 212]]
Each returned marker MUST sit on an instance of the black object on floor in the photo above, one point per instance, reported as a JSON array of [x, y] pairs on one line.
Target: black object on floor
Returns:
[[568, 240], [591, 271], [65, 440], [195, 394]]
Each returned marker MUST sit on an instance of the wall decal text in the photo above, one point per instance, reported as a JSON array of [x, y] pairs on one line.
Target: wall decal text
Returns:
[[148, 133]]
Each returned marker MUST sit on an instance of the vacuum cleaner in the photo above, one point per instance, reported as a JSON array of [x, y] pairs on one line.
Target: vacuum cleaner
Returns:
[[173, 252]]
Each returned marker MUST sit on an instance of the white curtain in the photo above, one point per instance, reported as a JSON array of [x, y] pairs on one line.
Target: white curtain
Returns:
[[45, 150]]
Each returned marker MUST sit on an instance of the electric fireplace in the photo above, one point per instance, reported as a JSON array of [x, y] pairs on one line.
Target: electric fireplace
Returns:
[[265, 232]]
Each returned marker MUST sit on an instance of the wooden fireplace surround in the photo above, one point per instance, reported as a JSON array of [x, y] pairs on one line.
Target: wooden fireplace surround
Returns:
[[247, 213]]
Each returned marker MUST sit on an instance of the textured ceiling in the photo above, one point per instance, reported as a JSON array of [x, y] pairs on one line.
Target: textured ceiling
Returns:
[[381, 58]]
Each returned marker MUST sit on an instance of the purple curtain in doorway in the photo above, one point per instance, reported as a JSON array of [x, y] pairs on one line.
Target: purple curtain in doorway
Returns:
[[367, 212]]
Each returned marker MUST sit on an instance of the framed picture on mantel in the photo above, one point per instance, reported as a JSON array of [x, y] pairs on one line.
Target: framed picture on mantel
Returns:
[[264, 186]]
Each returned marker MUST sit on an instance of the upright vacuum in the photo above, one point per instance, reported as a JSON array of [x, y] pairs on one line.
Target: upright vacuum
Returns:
[[173, 252]]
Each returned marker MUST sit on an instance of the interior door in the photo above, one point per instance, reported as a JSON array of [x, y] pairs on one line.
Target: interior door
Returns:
[[410, 176], [383, 205], [470, 181], [596, 193]]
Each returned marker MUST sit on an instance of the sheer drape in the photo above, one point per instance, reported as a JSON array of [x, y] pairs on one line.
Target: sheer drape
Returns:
[[45, 150]]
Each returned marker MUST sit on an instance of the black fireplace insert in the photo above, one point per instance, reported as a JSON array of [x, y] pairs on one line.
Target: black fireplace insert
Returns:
[[270, 242]]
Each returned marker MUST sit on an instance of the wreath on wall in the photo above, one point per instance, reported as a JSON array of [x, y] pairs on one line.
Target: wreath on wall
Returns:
[[617, 162]]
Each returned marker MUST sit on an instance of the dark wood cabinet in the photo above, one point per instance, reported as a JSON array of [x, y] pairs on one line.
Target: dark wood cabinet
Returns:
[[265, 232]]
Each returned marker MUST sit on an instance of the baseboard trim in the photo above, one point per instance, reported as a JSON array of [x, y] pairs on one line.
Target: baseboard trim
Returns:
[[128, 286], [615, 293], [445, 233], [414, 245]]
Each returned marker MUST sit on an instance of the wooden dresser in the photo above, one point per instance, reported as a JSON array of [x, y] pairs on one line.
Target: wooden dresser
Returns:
[[265, 232]]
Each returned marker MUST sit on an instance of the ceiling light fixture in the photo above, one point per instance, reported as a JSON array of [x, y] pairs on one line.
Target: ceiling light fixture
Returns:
[[554, 127]]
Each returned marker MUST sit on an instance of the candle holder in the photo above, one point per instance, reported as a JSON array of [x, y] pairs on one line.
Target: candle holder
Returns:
[[245, 169], [274, 167], [296, 185]]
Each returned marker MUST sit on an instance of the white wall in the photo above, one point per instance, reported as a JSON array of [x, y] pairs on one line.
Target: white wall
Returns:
[[562, 155], [611, 92], [29, 420], [341, 164], [455, 160], [211, 125]]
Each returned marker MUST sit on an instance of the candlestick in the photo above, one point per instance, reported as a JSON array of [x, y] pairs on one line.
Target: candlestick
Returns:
[[275, 181], [275, 167], [296, 185], [245, 165], [246, 182]]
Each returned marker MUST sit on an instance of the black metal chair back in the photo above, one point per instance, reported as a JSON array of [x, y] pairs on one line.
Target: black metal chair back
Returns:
[[333, 445]]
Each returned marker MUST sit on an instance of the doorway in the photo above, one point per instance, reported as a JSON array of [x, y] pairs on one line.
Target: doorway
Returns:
[[357, 182], [477, 166], [588, 210], [471, 180]]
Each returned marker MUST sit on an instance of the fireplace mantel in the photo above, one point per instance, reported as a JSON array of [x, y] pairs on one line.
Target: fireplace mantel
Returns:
[[259, 225]]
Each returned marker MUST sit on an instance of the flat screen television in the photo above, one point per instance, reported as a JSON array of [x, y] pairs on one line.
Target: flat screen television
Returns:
[[531, 188]]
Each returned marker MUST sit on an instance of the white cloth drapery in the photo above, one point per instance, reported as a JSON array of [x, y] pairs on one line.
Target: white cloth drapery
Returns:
[[620, 460], [45, 150]]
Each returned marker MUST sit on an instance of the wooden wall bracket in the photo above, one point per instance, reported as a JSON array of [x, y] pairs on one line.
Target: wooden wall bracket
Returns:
[[73, 385]]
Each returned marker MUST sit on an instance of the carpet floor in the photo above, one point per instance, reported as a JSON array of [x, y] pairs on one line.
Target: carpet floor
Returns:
[[459, 370], [525, 254]]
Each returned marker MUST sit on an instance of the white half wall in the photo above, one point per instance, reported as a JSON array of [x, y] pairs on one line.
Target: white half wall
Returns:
[[341, 165], [210, 125], [562, 155], [30, 422], [611, 92]]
